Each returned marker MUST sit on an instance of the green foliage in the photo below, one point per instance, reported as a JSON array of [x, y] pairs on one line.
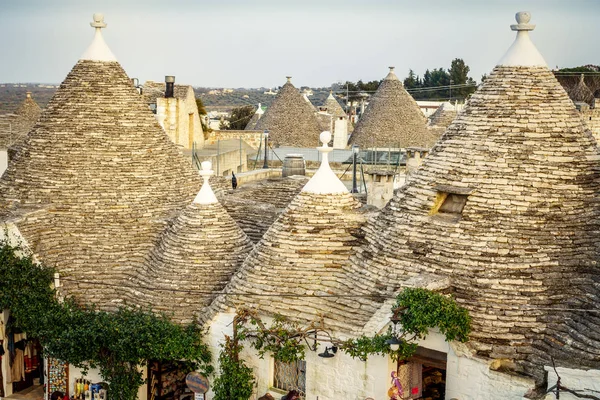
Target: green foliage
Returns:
[[355, 89], [423, 89], [117, 343], [201, 108], [239, 118], [235, 380], [423, 309], [419, 310], [282, 339]]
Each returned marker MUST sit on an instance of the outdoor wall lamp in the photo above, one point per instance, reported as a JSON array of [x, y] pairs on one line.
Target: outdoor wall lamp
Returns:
[[327, 354]]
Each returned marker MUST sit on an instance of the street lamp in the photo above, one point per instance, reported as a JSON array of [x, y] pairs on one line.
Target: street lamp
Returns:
[[451, 82], [266, 163], [354, 155], [394, 342]]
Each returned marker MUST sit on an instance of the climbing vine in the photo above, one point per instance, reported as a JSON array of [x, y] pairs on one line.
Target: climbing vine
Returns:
[[415, 311], [117, 343]]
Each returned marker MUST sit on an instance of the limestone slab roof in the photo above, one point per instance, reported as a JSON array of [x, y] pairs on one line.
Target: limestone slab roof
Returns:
[[291, 121], [194, 259], [300, 261], [255, 206], [104, 179], [21, 122], [392, 118], [443, 116], [581, 92], [333, 107], [522, 255]]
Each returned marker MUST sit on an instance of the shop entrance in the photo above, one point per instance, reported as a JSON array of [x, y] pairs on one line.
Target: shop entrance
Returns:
[[166, 380], [21, 361], [423, 376]]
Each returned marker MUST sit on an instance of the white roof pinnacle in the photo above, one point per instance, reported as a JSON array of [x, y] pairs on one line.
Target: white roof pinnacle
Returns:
[[206, 194], [98, 49], [523, 52], [391, 75], [259, 110], [325, 181]]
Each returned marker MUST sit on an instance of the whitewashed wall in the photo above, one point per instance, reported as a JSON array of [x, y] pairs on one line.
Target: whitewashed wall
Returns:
[[343, 377], [93, 375], [575, 379], [3, 161]]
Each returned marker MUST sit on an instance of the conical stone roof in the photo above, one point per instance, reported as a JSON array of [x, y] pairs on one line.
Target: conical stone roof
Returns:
[[443, 116], [299, 262], [581, 92], [333, 107], [251, 125], [291, 121], [103, 176], [392, 119], [24, 119], [195, 257], [524, 249]]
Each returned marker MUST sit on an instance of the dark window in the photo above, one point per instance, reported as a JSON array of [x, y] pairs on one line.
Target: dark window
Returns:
[[453, 203]]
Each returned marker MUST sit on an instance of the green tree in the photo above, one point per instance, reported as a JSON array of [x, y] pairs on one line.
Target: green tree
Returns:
[[235, 380], [200, 105], [202, 113], [459, 75], [239, 118], [412, 81], [117, 343]]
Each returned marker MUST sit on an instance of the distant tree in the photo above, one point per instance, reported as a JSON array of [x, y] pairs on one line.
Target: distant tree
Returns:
[[483, 78], [412, 81], [439, 77], [459, 75], [202, 112], [201, 108], [239, 118]]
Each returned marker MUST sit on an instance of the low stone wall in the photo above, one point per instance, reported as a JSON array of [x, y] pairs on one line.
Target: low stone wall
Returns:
[[253, 138], [592, 119]]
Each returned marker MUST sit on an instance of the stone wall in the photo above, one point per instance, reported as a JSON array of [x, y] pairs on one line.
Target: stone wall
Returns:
[[591, 117], [253, 138], [180, 119], [575, 379]]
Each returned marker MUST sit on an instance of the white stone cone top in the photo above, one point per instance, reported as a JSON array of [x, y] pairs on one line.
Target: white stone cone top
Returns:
[[206, 194], [325, 181], [523, 52], [259, 110], [98, 49]]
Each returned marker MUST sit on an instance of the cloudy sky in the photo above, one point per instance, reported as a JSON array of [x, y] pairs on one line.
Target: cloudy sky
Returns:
[[254, 43]]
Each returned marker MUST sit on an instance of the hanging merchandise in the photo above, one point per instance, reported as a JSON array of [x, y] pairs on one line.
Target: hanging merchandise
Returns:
[[58, 376]]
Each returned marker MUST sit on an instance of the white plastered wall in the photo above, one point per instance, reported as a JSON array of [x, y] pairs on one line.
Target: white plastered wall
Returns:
[[586, 381], [343, 377], [3, 161]]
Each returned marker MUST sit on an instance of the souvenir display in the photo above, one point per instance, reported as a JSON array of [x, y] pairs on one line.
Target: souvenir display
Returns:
[[58, 376]]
